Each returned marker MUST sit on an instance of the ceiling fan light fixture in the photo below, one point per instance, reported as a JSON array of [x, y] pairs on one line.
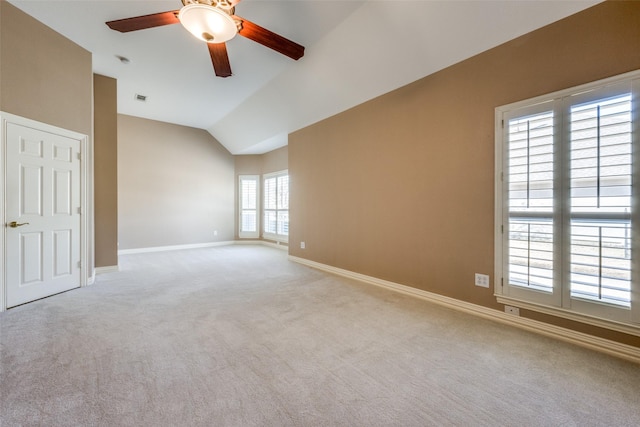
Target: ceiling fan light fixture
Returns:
[[208, 23]]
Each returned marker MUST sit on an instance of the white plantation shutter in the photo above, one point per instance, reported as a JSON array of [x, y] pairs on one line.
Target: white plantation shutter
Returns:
[[248, 197], [283, 205], [270, 222], [283, 191], [270, 194], [600, 192], [566, 197], [283, 223], [276, 206], [530, 151], [270, 204]]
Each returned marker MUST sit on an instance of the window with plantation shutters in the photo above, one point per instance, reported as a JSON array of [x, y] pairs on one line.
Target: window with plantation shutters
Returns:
[[248, 198], [566, 190], [276, 206]]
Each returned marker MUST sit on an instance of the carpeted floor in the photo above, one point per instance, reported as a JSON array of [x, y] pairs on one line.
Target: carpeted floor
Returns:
[[240, 336]]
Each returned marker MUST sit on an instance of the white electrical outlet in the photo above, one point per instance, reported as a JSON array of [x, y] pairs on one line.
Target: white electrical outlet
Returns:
[[302, 245], [482, 280], [512, 310], [215, 232]]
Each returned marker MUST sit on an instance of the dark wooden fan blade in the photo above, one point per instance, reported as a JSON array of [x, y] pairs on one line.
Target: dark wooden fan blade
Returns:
[[220, 59], [271, 40], [145, 21]]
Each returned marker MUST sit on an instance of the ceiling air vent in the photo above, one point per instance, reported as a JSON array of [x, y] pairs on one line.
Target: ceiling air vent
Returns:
[[141, 98]]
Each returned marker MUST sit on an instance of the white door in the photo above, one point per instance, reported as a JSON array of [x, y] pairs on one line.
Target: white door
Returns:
[[42, 232]]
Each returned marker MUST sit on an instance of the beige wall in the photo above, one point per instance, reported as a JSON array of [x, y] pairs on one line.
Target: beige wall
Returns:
[[248, 165], [273, 161], [402, 187], [276, 160], [44, 76], [175, 185], [105, 170], [258, 164]]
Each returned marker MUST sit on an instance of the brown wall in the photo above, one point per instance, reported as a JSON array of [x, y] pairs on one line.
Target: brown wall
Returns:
[[273, 161], [402, 187], [105, 143], [175, 185], [45, 77]]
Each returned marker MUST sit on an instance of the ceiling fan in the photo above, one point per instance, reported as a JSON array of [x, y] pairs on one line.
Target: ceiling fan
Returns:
[[215, 22]]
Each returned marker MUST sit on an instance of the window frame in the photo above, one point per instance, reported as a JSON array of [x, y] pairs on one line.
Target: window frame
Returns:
[[561, 303], [242, 234], [283, 238]]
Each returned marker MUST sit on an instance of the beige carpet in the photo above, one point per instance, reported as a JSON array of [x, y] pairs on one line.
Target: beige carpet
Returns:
[[240, 336]]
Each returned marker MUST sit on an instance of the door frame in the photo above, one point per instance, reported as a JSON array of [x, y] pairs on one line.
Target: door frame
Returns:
[[86, 264]]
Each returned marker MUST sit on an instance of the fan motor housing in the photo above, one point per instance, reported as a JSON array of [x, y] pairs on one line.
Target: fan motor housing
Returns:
[[220, 4]]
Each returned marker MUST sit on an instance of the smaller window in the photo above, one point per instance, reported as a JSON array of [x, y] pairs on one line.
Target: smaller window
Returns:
[[276, 206], [248, 226]]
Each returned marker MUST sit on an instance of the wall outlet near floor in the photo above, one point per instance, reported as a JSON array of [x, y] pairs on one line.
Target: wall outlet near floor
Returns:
[[302, 245], [215, 232], [482, 280], [512, 310]]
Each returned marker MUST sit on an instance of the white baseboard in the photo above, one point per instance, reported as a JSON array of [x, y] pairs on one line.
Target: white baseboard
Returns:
[[247, 242], [107, 269], [276, 245], [603, 345], [173, 247]]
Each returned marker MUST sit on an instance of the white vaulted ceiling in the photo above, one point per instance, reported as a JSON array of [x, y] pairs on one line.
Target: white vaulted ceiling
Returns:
[[355, 51]]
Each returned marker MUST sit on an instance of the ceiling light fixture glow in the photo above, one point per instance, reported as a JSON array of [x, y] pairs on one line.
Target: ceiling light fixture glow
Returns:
[[208, 23]]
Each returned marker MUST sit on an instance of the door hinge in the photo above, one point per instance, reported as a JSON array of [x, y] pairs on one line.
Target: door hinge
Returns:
[[79, 264], [502, 229], [79, 156], [502, 124], [80, 211], [502, 282]]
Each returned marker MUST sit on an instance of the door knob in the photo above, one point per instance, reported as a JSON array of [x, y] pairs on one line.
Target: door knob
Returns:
[[14, 224]]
